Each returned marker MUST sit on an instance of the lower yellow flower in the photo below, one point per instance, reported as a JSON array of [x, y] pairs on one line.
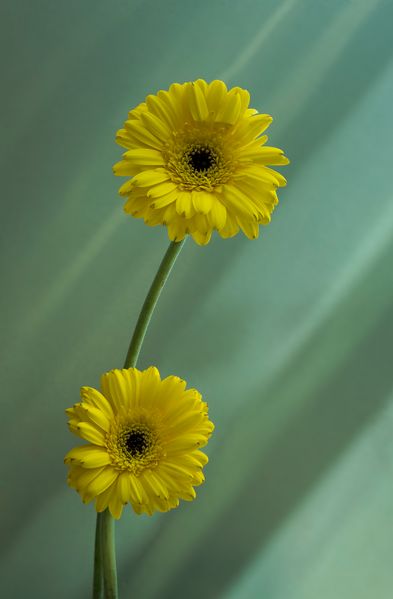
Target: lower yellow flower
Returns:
[[144, 436]]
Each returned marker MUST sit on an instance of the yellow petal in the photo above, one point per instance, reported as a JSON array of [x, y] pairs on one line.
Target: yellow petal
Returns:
[[91, 433], [102, 482], [123, 486], [230, 228], [174, 469], [156, 484], [176, 95], [201, 457], [257, 124], [198, 105], [218, 214], [236, 200], [85, 476], [158, 127], [136, 112], [265, 198], [136, 490], [161, 189], [278, 176], [102, 500], [126, 188], [95, 398], [76, 414], [273, 155], [177, 228], [230, 109], [188, 494], [261, 173], [167, 101], [151, 177], [165, 199], [154, 217], [244, 97], [201, 237], [115, 505], [169, 213], [203, 86], [159, 108], [82, 477], [145, 157], [216, 93], [139, 133], [123, 168], [202, 201], [250, 228], [88, 456], [123, 139], [184, 204], [115, 388], [97, 417], [136, 205], [151, 383]]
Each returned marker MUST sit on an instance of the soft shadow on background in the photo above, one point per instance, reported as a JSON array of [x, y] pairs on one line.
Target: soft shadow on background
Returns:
[[289, 337]]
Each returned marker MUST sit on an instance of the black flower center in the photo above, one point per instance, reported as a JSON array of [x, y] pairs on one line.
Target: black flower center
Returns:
[[137, 443], [201, 159]]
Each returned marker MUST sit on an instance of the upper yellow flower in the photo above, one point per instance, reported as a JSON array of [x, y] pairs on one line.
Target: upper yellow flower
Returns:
[[144, 438], [198, 162]]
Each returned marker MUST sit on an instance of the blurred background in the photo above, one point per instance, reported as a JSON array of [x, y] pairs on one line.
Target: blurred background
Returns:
[[289, 337]]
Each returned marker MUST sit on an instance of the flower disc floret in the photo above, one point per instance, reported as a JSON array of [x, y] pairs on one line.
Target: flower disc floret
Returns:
[[198, 162], [144, 437]]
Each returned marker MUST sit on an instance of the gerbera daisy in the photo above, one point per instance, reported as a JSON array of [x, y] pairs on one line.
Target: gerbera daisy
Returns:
[[198, 162], [144, 437]]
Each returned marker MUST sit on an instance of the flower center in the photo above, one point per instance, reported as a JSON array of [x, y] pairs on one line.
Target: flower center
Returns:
[[137, 443], [134, 445], [198, 158], [201, 159]]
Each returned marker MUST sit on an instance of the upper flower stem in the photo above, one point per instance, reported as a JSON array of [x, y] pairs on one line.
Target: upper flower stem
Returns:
[[150, 302]]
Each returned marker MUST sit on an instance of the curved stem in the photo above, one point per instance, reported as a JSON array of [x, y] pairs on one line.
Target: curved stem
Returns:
[[105, 555], [150, 302]]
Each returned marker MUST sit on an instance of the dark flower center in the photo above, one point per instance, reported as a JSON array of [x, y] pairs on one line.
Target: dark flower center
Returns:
[[137, 443], [201, 159]]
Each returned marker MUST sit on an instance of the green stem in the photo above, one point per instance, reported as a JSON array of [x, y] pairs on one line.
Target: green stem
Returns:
[[108, 553], [105, 554], [150, 302], [97, 580]]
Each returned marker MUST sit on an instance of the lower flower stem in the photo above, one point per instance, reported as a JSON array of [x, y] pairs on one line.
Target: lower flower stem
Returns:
[[108, 553], [105, 555], [98, 576]]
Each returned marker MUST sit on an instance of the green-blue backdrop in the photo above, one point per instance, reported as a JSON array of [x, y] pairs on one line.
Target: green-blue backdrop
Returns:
[[289, 337]]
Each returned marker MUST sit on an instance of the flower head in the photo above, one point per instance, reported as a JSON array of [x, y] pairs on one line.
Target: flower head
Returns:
[[198, 162], [144, 437]]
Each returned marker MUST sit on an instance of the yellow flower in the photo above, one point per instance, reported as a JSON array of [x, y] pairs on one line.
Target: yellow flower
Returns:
[[144, 436], [198, 162]]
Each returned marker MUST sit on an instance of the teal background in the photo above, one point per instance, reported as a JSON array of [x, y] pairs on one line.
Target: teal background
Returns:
[[289, 337]]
